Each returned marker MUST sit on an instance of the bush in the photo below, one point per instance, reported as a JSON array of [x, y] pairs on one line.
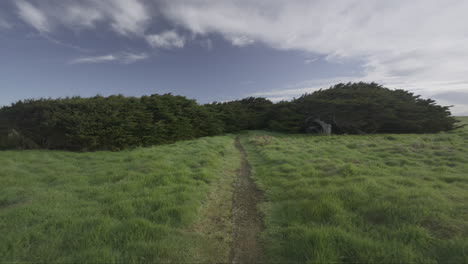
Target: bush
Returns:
[[357, 108], [252, 113], [118, 122], [107, 123]]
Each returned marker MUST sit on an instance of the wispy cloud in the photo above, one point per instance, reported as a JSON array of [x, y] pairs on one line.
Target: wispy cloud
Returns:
[[33, 16], [80, 16], [125, 58], [166, 40], [310, 61], [128, 58], [240, 41], [95, 59], [125, 17]]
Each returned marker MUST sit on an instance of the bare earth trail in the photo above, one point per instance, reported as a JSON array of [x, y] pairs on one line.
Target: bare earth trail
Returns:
[[247, 220]]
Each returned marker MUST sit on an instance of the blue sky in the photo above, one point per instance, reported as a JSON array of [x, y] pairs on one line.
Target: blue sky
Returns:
[[214, 50]]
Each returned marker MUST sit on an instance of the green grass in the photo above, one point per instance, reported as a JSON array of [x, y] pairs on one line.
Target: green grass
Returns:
[[363, 199], [106, 207], [328, 199]]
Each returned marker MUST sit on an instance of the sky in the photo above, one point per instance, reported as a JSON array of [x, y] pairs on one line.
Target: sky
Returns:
[[220, 50]]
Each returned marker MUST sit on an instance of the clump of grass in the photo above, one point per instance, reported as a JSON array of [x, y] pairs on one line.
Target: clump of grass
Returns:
[[363, 199], [105, 207]]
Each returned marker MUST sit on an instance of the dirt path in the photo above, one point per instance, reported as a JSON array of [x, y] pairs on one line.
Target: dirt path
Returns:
[[247, 220], [215, 224]]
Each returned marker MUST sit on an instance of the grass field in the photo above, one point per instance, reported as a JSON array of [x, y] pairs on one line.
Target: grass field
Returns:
[[133, 206], [327, 199], [363, 199]]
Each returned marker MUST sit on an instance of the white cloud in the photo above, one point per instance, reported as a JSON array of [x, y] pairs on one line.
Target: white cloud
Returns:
[[78, 16], [407, 44], [33, 16], [124, 57], [95, 59], [240, 41], [167, 40], [310, 61], [125, 17], [129, 58]]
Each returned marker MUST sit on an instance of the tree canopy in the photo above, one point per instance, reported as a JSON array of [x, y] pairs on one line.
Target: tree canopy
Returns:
[[118, 122], [371, 108]]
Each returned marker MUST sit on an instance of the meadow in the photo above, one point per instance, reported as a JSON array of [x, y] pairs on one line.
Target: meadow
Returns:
[[137, 206], [363, 199], [387, 198]]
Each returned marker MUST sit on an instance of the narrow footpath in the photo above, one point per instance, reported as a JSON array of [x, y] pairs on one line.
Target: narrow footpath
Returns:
[[247, 220]]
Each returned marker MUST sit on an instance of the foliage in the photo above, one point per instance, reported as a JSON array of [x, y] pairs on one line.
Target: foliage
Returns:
[[363, 199], [358, 108], [108, 123], [118, 122], [286, 118], [251, 113]]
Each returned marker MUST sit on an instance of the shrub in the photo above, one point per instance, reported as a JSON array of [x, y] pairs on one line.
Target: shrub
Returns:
[[106, 123], [357, 108], [118, 122]]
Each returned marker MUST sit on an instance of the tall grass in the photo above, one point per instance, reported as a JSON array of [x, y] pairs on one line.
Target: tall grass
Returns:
[[344, 199], [363, 199], [107, 207]]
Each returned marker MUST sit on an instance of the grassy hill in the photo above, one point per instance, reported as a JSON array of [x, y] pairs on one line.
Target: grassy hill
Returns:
[[346, 199]]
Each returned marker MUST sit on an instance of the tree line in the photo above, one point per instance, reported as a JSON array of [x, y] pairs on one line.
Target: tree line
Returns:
[[118, 122]]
